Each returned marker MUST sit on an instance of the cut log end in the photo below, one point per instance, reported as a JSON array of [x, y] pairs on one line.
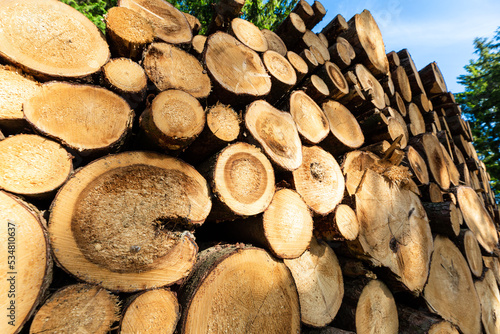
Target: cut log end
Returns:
[[249, 34], [312, 123]]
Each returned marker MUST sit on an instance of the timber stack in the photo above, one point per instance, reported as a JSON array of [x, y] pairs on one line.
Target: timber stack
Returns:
[[153, 179]]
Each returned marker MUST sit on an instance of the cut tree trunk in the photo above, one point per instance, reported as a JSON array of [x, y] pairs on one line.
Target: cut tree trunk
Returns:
[[198, 45], [401, 83], [415, 119], [274, 42], [150, 312], [127, 32], [493, 264], [340, 225], [173, 120], [412, 321], [237, 72], [169, 24], [27, 263], [310, 59], [31, 165], [319, 13], [450, 291], [333, 29], [469, 246], [319, 282], [276, 132], [299, 64], [411, 71], [291, 29], [282, 73], [342, 53], [78, 308], [128, 217], [304, 10], [444, 218], [254, 292], [248, 34], [334, 79], [316, 88], [88, 119], [488, 293], [169, 67], [242, 180], [224, 12], [312, 123], [37, 24], [319, 180], [432, 80], [194, 23]]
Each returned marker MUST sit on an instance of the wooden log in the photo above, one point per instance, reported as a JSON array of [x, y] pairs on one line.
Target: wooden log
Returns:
[[194, 23], [312, 123], [416, 123], [450, 290], [319, 180], [334, 28], [417, 165], [311, 40], [127, 79], [291, 29], [401, 83], [488, 293], [318, 55], [319, 282], [469, 246], [32, 165], [237, 72], [253, 290], [432, 80], [366, 39], [412, 321], [87, 127], [422, 101], [411, 71], [134, 234], [169, 67], [248, 34], [334, 79], [391, 112], [274, 42], [169, 24], [282, 73], [431, 193], [316, 88], [370, 85], [127, 33], [173, 120], [393, 59], [304, 10], [224, 12], [389, 89], [152, 311], [44, 59], [310, 59], [299, 64], [323, 39], [242, 180], [444, 218], [493, 265], [340, 225], [27, 265], [198, 45], [342, 53], [398, 103], [319, 13], [355, 98]]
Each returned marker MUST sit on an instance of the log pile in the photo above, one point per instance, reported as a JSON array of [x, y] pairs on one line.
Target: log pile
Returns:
[[247, 181]]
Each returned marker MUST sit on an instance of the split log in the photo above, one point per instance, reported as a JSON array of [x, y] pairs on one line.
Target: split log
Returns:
[[450, 290], [291, 29], [32, 165], [334, 79], [276, 132], [432, 80], [127, 79], [255, 293], [274, 42], [282, 73], [444, 218], [411, 71], [123, 221], [77, 308], [27, 262], [319, 180], [169, 24], [488, 293], [299, 64], [340, 225], [154, 311], [319, 282], [37, 24], [169, 67], [248, 34], [173, 120], [312, 123], [127, 32], [242, 180], [469, 246], [87, 119], [238, 74], [333, 29]]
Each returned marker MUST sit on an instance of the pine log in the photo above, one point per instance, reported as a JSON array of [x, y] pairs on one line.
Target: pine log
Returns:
[[452, 169], [274, 42], [401, 83], [127, 79], [416, 123], [398, 103], [78, 308], [304, 10], [340, 225], [319, 282], [469, 246], [417, 165], [341, 52], [37, 24], [334, 79], [299, 64], [355, 98], [224, 12], [310, 59], [27, 262], [432, 80], [223, 126], [173, 120], [153, 311], [311, 40], [237, 72], [248, 34], [411, 71], [389, 88], [423, 102], [123, 221], [319, 180], [450, 290], [477, 218], [316, 88], [255, 293], [431, 193], [32, 165], [169, 67], [312, 123], [366, 39], [333, 29], [444, 218], [242, 180], [393, 59], [127, 32], [291, 29], [318, 55], [323, 39], [97, 123], [169, 24], [345, 131], [282, 73], [488, 293], [319, 13], [16, 89]]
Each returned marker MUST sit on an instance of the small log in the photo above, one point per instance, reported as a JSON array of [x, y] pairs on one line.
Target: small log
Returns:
[[318, 55], [299, 64], [469, 246], [127, 32], [169, 67], [403, 142], [198, 45], [340, 225], [173, 120], [253, 290], [319, 282], [78, 308], [422, 101], [127, 79], [333, 29], [493, 265], [319, 180], [334, 79], [488, 293], [153, 311], [398, 103], [304, 10], [224, 12], [432, 80], [444, 218], [312, 123], [393, 59], [87, 127], [248, 34], [412, 321], [417, 165], [312, 41], [323, 39], [291, 29], [319, 13], [310, 59], [389, 89], [401, 83], [415, 119], [370, 85], [194, 23], [342, 53], [274, 42], [431, 193], [411, 71], [282, 73], [316, 88]]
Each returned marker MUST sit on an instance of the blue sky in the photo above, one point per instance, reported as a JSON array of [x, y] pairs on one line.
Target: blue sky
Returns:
[[441, 30]]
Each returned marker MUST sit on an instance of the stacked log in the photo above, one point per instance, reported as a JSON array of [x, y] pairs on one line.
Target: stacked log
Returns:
[[246, 181]]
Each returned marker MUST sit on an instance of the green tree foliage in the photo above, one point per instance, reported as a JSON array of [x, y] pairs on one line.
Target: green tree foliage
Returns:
[[481, 104], [93, 9]]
